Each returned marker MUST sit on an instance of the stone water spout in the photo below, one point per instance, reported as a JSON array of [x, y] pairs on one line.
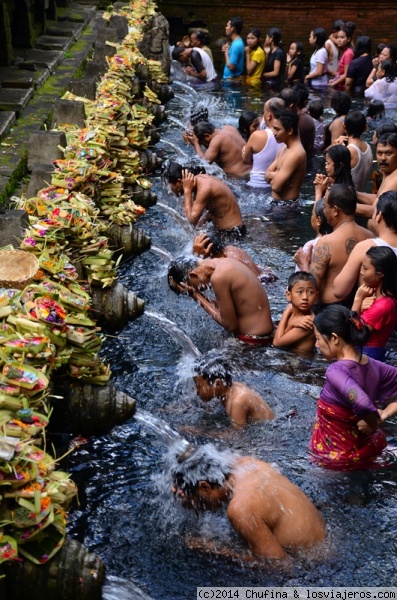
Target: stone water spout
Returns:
[[115, 306]]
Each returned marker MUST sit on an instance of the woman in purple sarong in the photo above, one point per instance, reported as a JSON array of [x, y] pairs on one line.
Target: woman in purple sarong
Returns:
[[346, 434]]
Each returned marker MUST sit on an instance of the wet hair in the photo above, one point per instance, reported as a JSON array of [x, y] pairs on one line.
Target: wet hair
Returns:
[[203, 128], [213, 368], [388, 139], [203, 37], [172, 171], [246, 119], [288, 119], [385, 262], [301, 276], [316, 109], [179, 269], [345, 323], [177, 51], [325, 228], [390, 70], [198, 115], [376, 110], [337, 24], [237, 23], [201, 463], [341, 103], [275, 104], [303, 93], [340, 156], [321, 37], [363, 46], [290, 97], [355, 123], [217, 245], [384, 128], [344, 197], [275, 34], [387, 205]]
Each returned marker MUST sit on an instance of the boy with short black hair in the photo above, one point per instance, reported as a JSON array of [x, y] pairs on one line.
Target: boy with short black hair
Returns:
[[295, 330], [213, 379]]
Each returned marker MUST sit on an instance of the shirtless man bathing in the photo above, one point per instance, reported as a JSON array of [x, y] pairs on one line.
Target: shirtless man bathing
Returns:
[[268, 512], [206, 198], [241, 305], [222, 146]]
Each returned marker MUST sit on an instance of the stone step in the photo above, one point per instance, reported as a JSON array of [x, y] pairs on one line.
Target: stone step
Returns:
[[64, 28], [54, 42], [7, 120], [77, 13], [14, 78], [36, 59], [14, 100]]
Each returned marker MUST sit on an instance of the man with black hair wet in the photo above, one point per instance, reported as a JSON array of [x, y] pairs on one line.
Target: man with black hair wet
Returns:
[[196, 63], [241, 304], [268, 512], [213, 379], [222, 146], [206, 198]]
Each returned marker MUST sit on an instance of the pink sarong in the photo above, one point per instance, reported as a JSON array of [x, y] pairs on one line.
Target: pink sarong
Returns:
[[337, 443]]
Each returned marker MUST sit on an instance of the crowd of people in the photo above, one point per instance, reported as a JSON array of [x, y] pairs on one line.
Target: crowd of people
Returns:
[[342, 292]]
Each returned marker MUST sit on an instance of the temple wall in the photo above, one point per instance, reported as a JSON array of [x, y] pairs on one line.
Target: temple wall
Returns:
[[296, 18]]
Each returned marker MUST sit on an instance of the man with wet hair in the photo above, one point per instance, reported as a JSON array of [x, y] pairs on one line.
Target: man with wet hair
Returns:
[[241, 304], [287, 171], [222, 146], [268, 512], [386, 155], [197, 63], [384, 224], [209, 245], [206, 198], [213, 379], [331, 252]]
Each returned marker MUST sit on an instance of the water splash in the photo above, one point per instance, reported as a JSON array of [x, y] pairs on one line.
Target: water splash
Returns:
[[187, 87], [175, 332], [183, 222], [165, 434], [116, 588], [174, 147], [177, 121], [161, 252], [183, 99]]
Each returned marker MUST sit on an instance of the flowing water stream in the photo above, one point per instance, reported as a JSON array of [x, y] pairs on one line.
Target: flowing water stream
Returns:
[[127, 514]]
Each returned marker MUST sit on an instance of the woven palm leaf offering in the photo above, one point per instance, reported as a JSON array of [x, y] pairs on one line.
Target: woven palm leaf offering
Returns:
[[17, 268]]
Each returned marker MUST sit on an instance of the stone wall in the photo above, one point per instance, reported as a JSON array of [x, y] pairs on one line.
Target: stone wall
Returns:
[[296, 18]]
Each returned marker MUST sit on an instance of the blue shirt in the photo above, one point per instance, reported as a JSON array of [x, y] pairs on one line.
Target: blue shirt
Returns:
[[237, 58]]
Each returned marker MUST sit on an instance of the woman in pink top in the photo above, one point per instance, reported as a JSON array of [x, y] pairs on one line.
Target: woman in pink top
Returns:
[[376, 298], [343, 40]]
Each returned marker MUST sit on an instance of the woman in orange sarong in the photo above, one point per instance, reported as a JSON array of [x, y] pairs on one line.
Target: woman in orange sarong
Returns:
[[346, 435]]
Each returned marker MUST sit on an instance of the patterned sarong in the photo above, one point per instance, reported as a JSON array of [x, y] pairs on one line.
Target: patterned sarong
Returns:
[[336, 442]]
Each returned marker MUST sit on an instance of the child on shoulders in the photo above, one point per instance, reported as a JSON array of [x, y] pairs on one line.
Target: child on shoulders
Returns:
[[295, 330]]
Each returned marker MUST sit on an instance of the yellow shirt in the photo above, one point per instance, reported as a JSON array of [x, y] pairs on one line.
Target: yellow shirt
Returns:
[[259, 56]]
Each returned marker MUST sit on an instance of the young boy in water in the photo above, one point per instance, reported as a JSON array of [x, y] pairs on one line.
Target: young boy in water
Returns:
[[295, 329], [213, 379]]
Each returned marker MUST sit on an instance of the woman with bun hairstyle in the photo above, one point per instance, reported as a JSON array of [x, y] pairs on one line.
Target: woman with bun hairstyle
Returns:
[[346, 435]]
